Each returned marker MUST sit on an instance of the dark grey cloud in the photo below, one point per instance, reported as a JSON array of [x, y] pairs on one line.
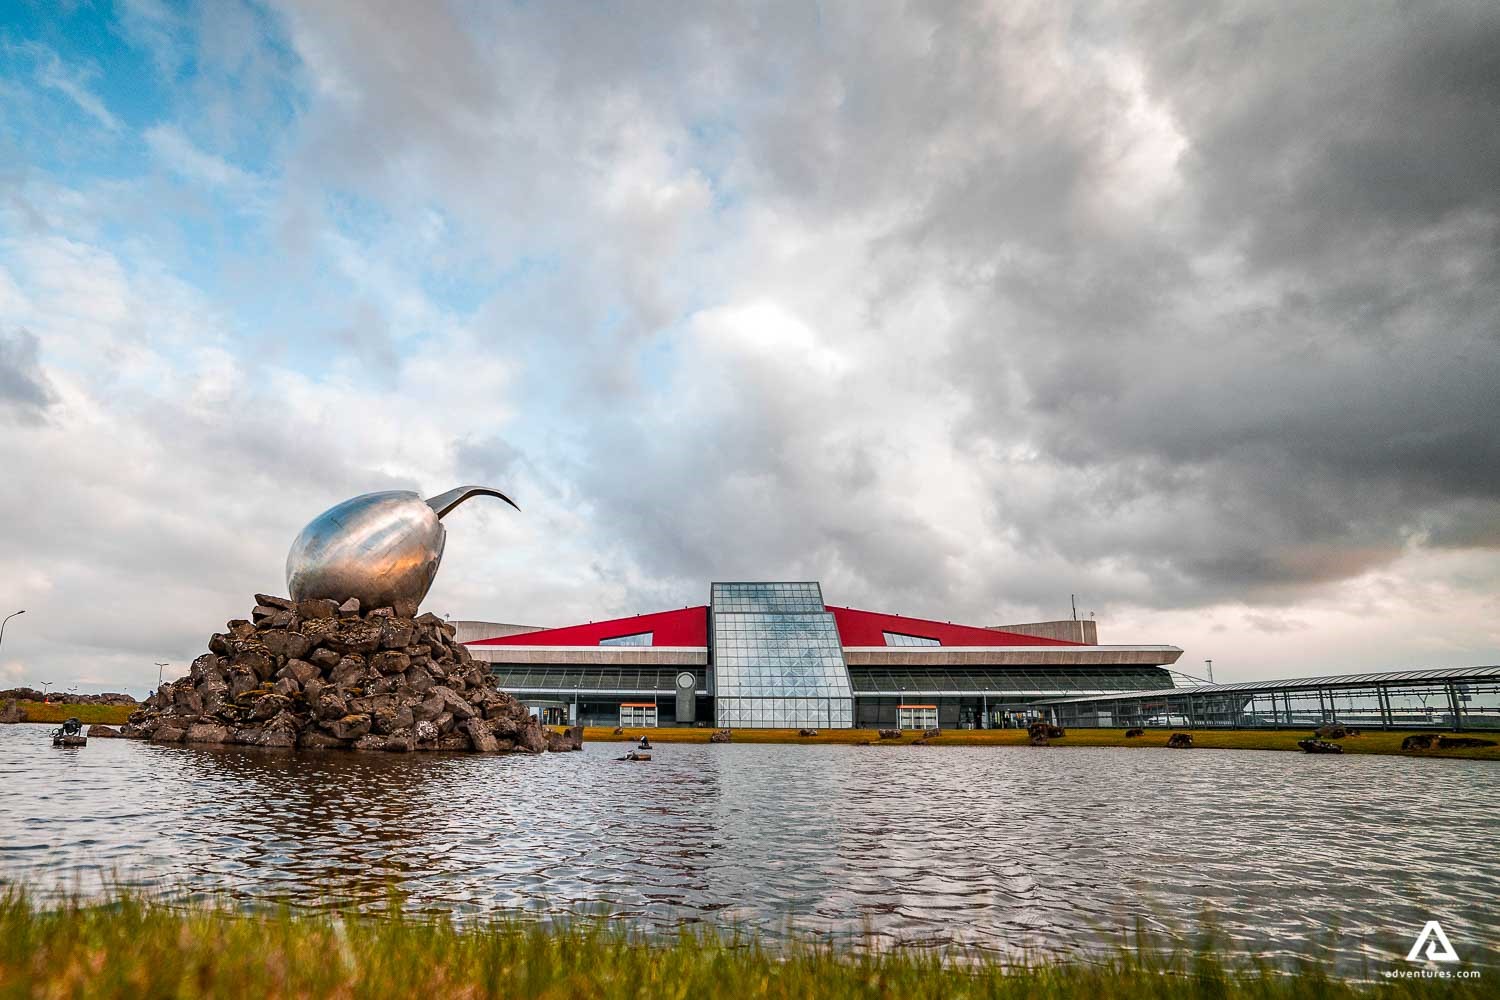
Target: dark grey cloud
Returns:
[[25, 392], [957, 307]]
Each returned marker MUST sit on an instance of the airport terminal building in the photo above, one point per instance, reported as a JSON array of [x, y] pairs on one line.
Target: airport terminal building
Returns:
[[773, 655]]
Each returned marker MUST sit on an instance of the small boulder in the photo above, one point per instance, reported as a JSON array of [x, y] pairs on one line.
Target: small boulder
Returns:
[[285, 645], [480, 737], [807, 732], [207, 732], [722, 736], [1462, 742], [1420, 741], [349, 609], [396, 633], [1131, 734], [283, 603], [390, 661], [316, 608], [567, 740], [447, 700], [931, 734], [300, 671], [354, 636], [350, 727], [324, 659], [890, 734], [312, 739], [1333, 731], [102, 731], [1180, 741]]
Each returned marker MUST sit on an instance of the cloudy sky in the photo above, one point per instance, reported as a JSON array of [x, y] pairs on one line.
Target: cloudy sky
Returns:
[[1190, 309]]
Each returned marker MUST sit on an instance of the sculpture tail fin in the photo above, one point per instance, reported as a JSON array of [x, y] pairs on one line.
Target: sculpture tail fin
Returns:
[[444, 502]]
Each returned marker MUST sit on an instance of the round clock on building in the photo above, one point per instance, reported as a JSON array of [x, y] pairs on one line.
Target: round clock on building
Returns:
[[685, 681]]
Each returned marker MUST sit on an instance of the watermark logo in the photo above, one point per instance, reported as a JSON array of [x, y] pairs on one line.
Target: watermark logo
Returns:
[[1439, 948]]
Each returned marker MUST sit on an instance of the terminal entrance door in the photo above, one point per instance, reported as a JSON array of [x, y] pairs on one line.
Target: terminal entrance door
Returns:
[[916, 716]]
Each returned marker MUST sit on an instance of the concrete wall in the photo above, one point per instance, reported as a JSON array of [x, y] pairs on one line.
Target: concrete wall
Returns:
[[1086, 632], [470, 631], [605, 656]]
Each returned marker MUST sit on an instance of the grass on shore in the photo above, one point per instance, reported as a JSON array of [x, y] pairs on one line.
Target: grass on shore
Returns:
[[1371, 741], [130, 948], [108, 715]]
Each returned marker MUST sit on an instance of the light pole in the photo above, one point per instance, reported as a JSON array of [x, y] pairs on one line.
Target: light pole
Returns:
[[159, 668], [6, 619], [45, 692], [1210, 665]]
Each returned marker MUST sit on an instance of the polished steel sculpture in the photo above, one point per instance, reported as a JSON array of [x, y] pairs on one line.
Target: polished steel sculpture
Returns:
[[381, 548]]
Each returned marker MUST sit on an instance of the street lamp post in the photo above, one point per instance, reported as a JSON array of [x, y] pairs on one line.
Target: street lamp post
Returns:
[[159, 668], [45, 692], [6, 619]]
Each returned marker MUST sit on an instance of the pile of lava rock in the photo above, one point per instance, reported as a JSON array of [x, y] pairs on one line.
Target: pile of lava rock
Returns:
[[316, 674]]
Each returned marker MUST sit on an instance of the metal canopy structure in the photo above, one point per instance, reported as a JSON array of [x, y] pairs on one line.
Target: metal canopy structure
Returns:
[[1449, 698]]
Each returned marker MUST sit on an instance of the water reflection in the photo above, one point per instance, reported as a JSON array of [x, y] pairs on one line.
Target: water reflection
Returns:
[[999, 848]]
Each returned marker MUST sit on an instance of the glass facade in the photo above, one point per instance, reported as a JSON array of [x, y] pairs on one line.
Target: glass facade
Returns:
[[917, 717], [635, 715], [636, 639], [777, 657], [902, 639]]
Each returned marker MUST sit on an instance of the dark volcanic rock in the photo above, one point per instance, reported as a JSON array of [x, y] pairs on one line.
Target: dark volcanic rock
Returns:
[[569, 739], [722, 736], [890, 734], [287, 645], [1461, 742], [350, 727], [1180, 741], [1133, 733], [316, 608], [316, 675], [480, 737], [103, 731], [208, 732], [390, 661]]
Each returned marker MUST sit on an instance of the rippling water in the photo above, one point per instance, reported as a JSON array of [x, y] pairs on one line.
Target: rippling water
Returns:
[[1000, 848]]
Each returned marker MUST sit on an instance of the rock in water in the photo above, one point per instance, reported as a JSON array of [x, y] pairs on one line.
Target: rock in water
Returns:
[[316, 675]]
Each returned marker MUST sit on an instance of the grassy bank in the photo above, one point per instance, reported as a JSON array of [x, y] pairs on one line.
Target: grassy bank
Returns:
[[1372, 741], [109, 715], [131, 949]]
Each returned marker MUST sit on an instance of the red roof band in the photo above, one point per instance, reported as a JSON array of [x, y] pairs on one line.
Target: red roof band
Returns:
[[689, 627]]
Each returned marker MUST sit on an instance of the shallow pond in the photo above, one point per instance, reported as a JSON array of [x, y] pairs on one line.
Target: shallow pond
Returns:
[[1001, 848]]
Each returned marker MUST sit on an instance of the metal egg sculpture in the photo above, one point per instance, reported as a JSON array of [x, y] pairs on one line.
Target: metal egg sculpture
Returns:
[[382, 548]]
